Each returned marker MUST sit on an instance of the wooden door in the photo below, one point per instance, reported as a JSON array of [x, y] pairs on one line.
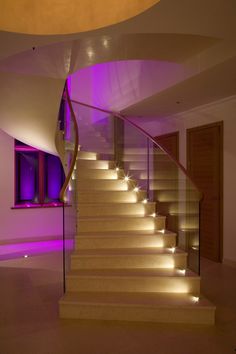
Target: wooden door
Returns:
[[204, 163], [170, 142]]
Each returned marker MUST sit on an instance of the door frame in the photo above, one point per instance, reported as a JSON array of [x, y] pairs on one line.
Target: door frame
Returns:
[[175, 134], [219, 124]]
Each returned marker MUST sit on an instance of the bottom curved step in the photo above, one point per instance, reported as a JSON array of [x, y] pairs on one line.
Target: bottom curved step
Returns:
[[148, 307]]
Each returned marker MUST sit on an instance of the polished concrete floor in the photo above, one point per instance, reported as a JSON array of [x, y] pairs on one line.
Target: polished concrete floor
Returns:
[[29, 292]]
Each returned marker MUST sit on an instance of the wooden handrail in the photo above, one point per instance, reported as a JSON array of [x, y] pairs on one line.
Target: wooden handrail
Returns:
[[147, 135], [75, 152]]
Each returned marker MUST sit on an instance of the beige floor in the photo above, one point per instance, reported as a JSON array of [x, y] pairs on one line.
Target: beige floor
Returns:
[[29, 324]]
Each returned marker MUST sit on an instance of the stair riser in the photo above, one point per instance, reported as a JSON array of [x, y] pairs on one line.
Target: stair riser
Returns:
[[183, 222], [126, 224], [143, 158], [124, 242], [116, 209], [178, 207], [176, 185], [121, 262], [110, 197], [134, 284], [174, 196], [101, 185], [141, 151], [97, 164], [142, 165], [87, 155], [96, 145], [160, 174], [138, 313], [188, 239], [99, 174]]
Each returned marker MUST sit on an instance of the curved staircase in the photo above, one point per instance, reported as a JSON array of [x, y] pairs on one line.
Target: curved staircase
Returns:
[[126, 265]]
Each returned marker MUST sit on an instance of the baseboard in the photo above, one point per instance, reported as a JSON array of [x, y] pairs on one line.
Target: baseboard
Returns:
[[30, 239], [229, 262]]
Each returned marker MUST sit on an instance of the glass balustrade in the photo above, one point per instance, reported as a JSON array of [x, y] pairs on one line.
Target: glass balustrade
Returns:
[[153, 174]]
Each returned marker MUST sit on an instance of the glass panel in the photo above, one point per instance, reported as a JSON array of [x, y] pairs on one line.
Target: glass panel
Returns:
[[54, 178], [27, 177], [152, 174], [65, 145], [177, 198], [158, 178], [96, 130], [134, 155]]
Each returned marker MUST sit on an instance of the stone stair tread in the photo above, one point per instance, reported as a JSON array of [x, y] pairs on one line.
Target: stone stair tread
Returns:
[[91, 180], [100, 191], [99, 160], [127, 252], [126, 233], [136, 272], [180, 213], [119, 203], [128, 299], [122, 217]]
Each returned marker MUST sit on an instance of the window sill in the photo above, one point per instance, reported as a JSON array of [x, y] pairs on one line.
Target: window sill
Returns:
[[35, 206]]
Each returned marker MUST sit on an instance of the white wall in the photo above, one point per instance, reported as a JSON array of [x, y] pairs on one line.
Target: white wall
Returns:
[[224, 110], [20, 224]]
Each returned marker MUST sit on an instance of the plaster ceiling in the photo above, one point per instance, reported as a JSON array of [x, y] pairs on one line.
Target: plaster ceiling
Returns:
[[62, 17], [64, 58], [208, 86], [195, 40]]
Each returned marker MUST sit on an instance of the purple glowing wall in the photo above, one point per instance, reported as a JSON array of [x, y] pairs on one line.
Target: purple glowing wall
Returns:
[[54, 177], [28, 173]]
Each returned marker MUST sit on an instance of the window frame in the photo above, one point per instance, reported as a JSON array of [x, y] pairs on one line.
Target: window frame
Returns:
[[42, 156]]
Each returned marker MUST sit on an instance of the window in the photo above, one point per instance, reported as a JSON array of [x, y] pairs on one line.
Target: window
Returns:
[[38, 177]]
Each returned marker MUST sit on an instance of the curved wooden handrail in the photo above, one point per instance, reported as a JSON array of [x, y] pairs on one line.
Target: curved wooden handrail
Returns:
[[75, 152], [147, 135]]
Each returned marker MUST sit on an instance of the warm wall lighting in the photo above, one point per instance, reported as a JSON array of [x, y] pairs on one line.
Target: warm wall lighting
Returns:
[[117, 169], [153, 215], [127, 178], [182, 271], [195, 299], [90, 53], [169, 265], [162, 231], [172, 249], [105, 42], [145, 201], [136, 189]]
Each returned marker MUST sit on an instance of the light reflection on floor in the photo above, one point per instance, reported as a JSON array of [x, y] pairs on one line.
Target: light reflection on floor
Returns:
[[29, 323], [28, 249]]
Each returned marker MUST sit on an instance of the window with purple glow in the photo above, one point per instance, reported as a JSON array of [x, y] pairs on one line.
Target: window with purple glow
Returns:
[[38, 177]]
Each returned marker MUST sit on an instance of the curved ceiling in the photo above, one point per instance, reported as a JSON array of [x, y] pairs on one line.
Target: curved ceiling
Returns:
[[64, 58], [65, 17], [184, 38]]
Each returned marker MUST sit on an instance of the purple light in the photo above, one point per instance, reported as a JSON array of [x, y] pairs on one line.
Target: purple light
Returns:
[[19, 250], [37, 205], [28, 176], [53, 179]]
